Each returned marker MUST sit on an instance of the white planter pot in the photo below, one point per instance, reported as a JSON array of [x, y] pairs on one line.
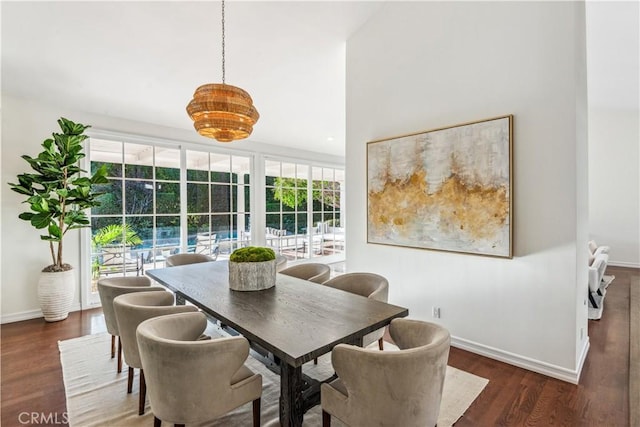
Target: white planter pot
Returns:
[[55, 294], [252, 276]]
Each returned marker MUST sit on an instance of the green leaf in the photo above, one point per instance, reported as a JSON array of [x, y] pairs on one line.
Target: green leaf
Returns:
[[81, 181], [40, 220], [26, 216], [62, 192], [55, 231]]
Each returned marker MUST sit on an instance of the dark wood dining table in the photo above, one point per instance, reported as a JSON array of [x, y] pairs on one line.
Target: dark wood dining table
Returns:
[[295, 321]]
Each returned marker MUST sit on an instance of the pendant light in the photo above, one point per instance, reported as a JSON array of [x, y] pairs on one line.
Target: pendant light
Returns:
[[221, 111]]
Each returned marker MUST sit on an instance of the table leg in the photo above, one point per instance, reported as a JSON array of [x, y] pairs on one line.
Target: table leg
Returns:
[[291, 410]]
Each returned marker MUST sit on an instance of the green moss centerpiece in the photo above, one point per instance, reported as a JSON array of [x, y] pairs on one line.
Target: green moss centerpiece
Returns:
[[252, 268]]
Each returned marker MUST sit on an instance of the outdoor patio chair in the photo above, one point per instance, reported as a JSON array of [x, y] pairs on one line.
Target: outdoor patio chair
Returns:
[[119, 260]]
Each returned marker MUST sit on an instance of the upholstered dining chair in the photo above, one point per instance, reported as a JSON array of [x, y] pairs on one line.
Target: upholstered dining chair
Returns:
[[311, 271], [193, 381], [281, 263], [133, 309], [369, 285], [184, 259], [390, 388], [108, 289]]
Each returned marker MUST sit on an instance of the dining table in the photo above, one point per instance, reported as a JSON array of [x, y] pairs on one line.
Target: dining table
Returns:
[[295, 322]]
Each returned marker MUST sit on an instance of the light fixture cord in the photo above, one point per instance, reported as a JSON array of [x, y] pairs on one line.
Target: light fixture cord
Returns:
[[223, 42]]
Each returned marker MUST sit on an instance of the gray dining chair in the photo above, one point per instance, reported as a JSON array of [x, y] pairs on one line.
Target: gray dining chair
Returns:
[[108, 289], [192, 381], [133, 309], [281, 263], [311, 271], [390, 388], [184, 259], [369, 285]]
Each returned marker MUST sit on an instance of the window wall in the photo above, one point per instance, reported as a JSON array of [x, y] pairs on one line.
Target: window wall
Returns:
[[163, 198], [303, 215]]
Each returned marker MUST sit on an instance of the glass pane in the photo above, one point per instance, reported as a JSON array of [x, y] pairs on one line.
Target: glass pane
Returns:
[[301, 200], [109, 152], [221, 225], [272, 204], [273, 222], [138, 161], [167, 164], [327, 174], [197, 198], [220, 167], [302, 223], [197, 224], [247, 198], [241, 167], [113, 169], [288, 170], [339, 175], [238, 198], [168, 197], [167, 231], [289, 223], [111, 200], [302, 172], [271, 168], [142, 226], [220, 198], [197, 166], [317, 220], [138, 197]]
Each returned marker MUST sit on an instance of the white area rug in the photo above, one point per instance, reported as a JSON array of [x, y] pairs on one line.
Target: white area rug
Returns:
[[97, 395], [596, 313]]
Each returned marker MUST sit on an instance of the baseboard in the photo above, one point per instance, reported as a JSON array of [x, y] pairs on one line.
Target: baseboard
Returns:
[[30, 314], [623, 264], [543, 368]]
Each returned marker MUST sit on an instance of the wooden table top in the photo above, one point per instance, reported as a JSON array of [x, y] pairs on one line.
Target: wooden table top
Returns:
[[296, 320]]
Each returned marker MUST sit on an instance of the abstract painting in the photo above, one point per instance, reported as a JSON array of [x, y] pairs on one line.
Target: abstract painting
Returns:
[[447, 189]]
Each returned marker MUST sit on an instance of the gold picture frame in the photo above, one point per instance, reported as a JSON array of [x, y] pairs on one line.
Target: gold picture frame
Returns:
[[447, 189]]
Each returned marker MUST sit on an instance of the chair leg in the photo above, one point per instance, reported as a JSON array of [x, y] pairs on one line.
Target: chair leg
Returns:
[[256, 413], [113, 346], [326, 419], [315, 361], [157, 422], [178, 425], [143, 393], [119, 355], [130, 380], [381, 344]]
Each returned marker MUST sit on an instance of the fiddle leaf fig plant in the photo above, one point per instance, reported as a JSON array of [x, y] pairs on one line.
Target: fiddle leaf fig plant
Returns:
[[56, 191]]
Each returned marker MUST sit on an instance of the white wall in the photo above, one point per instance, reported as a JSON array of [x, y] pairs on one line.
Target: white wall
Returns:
[[423, 65], [25, 124], [614, 183]]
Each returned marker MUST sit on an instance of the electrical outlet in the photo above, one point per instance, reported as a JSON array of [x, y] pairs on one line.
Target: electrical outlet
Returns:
[[436, 312]]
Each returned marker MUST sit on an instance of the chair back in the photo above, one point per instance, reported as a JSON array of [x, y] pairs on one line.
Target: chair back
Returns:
[[281, 263], [596, 271], [184, 259], [368, 285], [311, 271], [191, 381], [391, 388], [109, 288], [133, 309]]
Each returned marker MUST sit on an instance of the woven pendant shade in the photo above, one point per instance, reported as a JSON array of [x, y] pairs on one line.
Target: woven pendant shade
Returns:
[[223, 112]]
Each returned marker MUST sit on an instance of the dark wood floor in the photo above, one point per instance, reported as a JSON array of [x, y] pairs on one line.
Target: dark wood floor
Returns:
[[31, 382]]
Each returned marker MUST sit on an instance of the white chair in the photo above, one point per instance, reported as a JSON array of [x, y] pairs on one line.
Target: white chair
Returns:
[[596, 273]]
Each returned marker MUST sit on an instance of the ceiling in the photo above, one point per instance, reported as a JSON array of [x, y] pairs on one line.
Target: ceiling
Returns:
[[143, 60]]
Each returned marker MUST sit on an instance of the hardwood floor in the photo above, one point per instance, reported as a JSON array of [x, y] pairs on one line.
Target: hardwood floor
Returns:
[[33, 392]]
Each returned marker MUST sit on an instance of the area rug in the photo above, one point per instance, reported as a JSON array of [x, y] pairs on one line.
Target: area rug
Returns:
[[96, 393]]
